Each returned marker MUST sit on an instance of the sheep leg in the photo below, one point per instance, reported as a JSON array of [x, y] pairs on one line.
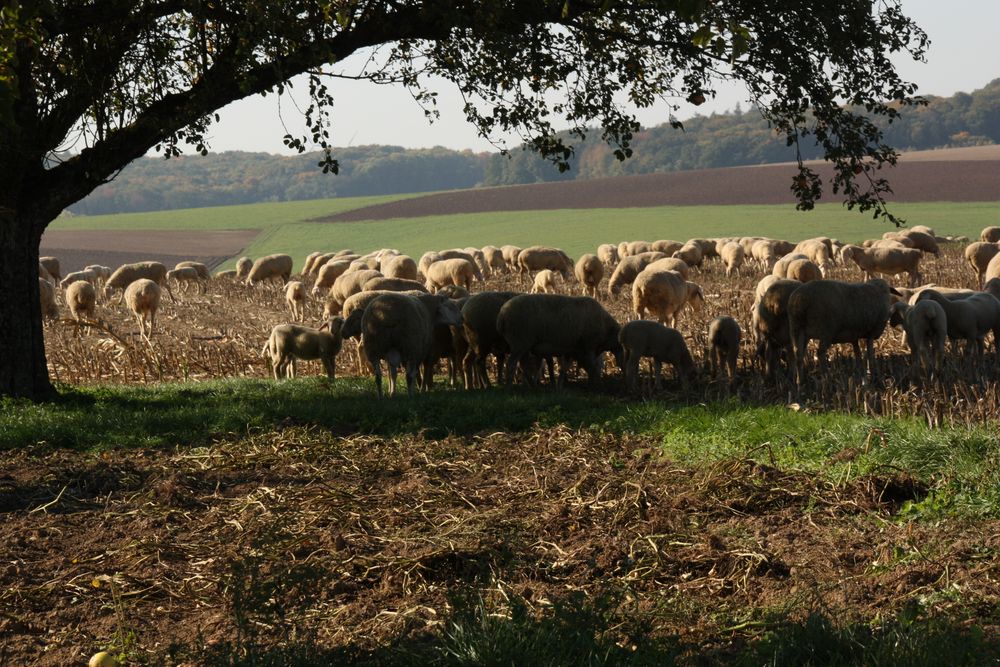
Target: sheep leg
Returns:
[[330, 362], [412, 376], [511, 367]]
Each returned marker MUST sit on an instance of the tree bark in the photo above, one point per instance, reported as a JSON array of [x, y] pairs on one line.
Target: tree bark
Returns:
[[23, 368]]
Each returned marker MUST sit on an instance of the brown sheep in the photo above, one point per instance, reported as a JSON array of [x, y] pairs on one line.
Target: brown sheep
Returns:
[[608, 254], [51, 265], [271, 267], [126, 274], [494, 259], [350, 283], [295, 298], [664, 294], [589, 272], [399, 266], [450, 272], [628, 268], [670, 264], [536, 258], [886, 261], [386, 284], [47, 299], [978, 255], [989, 235], [243, 266], [643, 338], [328, 273], [666, 246], [803, 270], [732, 255], [143, 299], [724, 336], [691, 253]]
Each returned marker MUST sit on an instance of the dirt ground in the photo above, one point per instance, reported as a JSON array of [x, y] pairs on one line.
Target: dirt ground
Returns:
[[354, 541], [912, 181]]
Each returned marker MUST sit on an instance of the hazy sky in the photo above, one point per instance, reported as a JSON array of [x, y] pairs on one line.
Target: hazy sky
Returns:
[[965, 37]]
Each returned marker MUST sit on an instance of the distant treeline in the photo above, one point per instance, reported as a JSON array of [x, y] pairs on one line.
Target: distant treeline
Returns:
[[720, 140]]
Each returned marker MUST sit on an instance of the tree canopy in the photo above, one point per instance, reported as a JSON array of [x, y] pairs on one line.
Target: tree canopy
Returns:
[[111, 79]]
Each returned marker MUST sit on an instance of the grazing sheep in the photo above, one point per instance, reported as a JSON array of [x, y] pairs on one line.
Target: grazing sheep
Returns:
[[323, 259], [664, 294], [295, 298], [622, 249], [780, 268], [770, 321], [455, 271], [644, 338], [467, 256], [307, 265], [537, 258], [724, 336], [921, 241], [817, 251], [51, 265], [102, 273], [271, 267], [978, 256], [126, 274], [545, 282], [479, 259], [400, 329], [494, 259], [243, 267], [589, 272], [691, 253], [885, 261], [553, 325], [803, 270], [399, 266], [81, 299], [386, 284], [229, 274], [186, 275], [351, 283], [425, 262], [47, 299], [289, 342], [510, 254], [670, 264], [923, 228], [763, 285], [732, 255], [608, 254], [765, 254], [84, 275], [747, 243], [969, 319], [202, 270], [44, 274], [630, 267], [989, 234], [479, 322], [666, 246], [328, 273], [888, 243], [832, 311], [992, 269], [925, 325], [363, 264], [143, 299], [633, 248]]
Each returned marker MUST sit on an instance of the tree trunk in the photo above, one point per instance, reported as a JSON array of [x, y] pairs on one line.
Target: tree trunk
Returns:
[[23, 369]]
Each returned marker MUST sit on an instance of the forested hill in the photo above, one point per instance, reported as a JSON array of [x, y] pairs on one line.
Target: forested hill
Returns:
[[721, 140]]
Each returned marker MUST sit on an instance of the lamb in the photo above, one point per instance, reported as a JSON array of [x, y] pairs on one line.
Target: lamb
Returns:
[[670, 264], [400, 329], [270, 267], [969, 319], [589, 272], [770, 321], [295, 298], [664, 294], [479, 322], [691, 253], [545, 282], [978, 256], [243, 267], [185, 276], [608, 254], [803, 270], [886, 261], [386, 284], [143, 299], [126, 274], [202, 270], [724, 335], [289, 342], [926, 326], [494, 259], [81, 299], [84, 275], [51, 265], [553, 325], [537, 258], [510, 253], [450, 272], [102, 273], [732, 255], [833, 311], [989, 235], [630, 267], [47, 299], [399, 266], [644, 338], [328, 273]]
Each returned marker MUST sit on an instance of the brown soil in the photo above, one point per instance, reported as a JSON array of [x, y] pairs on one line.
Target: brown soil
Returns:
[[352, 542], [912, 181], [78, 248]]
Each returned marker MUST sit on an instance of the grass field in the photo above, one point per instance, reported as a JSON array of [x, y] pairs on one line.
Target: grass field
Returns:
[[577, 231]]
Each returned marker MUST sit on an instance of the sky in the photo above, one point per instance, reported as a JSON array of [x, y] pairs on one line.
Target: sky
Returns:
[[964, 34]]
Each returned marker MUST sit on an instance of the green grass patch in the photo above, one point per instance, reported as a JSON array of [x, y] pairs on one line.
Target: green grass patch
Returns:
[[960, 466], [245, 216], [580, 231]]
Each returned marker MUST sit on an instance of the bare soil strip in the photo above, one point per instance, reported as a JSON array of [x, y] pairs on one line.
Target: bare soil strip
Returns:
[[912, 181]]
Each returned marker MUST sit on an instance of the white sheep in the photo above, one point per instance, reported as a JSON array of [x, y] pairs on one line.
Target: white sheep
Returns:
[[81, 299], [644, 338], [143, 299], [885, 261], [272, 267], [664, 294], [589, 271], [925, 325], [295, 298], [187, 275], [455, 271], [724, 336], [732, 255], [978, 256], [545, 282], [289, 342], [85, 275], [47, 299]]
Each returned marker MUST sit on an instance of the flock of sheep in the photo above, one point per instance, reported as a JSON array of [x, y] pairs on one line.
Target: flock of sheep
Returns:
[[412, 314]]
